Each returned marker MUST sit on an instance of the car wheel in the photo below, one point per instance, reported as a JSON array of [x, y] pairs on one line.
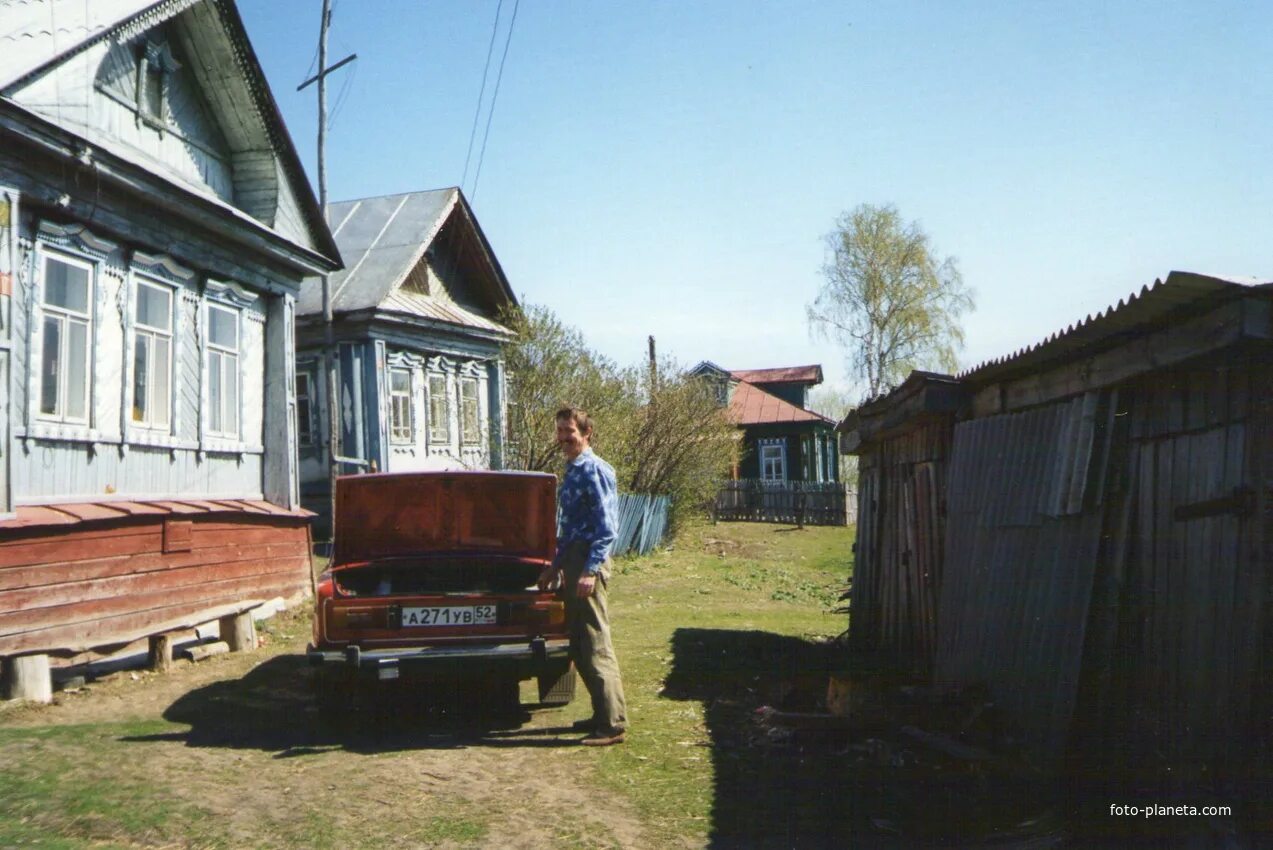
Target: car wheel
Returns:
[[557, 687]]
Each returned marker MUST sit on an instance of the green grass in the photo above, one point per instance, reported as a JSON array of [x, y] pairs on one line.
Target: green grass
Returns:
[[717, 579], [706, 631]]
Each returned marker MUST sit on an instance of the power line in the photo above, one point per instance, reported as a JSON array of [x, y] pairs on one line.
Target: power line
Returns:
[[477, 113], [494, 97]]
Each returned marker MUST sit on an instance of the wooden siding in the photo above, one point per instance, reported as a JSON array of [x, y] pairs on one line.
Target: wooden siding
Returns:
[[86, 584], [1177, 655], [94, 93], [56, 470], [897, 570]]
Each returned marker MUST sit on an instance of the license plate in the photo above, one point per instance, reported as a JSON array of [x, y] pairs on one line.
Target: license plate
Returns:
[[452, 615]]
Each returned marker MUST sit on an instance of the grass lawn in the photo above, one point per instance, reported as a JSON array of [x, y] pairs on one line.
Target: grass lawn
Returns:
[[227, 753]]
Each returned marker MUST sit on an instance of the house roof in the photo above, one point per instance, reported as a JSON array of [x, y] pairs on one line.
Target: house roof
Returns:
[[383, 239], [35, 35], [1180, 295], [781, 375], [74, 513], [750, 405]]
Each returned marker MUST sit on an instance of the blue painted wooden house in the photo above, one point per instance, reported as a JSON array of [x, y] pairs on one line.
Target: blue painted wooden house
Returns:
[[155, 229], [417, 335]]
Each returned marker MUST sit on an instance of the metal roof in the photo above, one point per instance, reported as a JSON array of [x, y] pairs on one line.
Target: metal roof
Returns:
[[780, 375], [382, 240], [750, 405], [1152, 306]]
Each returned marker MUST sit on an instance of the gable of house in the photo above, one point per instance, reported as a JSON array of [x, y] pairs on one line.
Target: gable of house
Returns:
[[172, 87], [419, 254]]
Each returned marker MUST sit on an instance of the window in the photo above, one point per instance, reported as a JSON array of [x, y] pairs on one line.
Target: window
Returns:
[[470, 420], [304, 410], [400, 426], [223, 371], [67, 326], [155, 65], [773, 463], [439, 410], [152, 355]]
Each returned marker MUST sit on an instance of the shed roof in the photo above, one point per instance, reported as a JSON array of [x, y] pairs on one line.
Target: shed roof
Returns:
[[750, 405], [1180, 295], [383, 239], [780, 375]]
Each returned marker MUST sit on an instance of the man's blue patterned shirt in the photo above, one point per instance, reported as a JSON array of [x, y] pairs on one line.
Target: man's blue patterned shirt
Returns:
[[588, 508]]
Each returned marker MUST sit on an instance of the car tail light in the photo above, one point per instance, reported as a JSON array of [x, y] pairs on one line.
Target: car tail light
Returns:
[[326, 587], [551, 612]]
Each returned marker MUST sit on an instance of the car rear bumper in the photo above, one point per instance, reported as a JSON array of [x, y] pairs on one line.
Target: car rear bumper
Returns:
[[525, 659]]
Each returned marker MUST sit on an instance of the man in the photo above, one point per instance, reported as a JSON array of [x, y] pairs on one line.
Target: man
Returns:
[[588, 524]]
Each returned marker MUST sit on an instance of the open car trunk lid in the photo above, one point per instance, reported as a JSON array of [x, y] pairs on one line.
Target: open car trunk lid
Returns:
[[400, 515]]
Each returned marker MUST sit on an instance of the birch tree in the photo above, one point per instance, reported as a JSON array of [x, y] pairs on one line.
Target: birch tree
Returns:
[[887, 299]]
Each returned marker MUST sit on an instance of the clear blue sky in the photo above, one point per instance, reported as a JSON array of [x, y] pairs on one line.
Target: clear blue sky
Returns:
[[670, 168]]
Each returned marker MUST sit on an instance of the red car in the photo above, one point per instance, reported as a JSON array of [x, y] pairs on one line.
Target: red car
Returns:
[[433, 578]]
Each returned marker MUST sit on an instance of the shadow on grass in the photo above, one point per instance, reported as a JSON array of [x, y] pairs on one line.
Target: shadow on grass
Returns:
[[793, 794], [273, 709]]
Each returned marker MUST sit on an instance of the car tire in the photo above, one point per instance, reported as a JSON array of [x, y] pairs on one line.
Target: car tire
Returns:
[[557, 687]]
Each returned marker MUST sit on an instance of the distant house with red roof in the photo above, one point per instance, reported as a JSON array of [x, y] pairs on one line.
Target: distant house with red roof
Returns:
[[783, 440]]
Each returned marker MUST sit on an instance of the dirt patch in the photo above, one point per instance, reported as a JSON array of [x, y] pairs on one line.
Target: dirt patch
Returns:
[[240, 738]]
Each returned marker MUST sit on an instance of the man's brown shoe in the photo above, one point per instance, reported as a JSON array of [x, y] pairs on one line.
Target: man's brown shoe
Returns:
[[604, 739]]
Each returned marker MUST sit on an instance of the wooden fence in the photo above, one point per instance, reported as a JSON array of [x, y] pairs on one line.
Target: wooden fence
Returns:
[[642, 523], [794, 502]]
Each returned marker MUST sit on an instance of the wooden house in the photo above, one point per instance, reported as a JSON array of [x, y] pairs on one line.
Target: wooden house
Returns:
[[417, 332], [782, 439], [1107, 534], [155, 228]]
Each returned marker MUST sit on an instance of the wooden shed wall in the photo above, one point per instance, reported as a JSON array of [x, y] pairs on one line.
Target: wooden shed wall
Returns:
[[1106, 565], [1178, 632], [901, 531], [80, 585]]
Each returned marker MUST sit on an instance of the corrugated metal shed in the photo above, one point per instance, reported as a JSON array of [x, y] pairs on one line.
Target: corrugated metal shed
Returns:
[[1182, 294]]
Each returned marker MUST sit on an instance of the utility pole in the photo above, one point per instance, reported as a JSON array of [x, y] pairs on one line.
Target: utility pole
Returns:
[[329, 336]]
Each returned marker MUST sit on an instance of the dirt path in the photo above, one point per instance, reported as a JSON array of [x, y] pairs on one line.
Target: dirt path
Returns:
[[244, 743]]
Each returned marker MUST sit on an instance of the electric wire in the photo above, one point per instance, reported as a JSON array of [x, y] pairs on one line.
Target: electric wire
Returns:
[[477, 113], [494, 97]]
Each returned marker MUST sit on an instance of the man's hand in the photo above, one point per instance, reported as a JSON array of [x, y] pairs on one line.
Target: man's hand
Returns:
[[549, 577], [585, 586]]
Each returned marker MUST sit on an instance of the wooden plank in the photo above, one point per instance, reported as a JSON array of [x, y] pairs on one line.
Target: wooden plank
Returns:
[[73, 637], [16, 578], [45, 596], [247, 582], [75, 547]]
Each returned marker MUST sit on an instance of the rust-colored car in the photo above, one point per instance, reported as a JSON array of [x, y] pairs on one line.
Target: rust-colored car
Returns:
[[433, 578]]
